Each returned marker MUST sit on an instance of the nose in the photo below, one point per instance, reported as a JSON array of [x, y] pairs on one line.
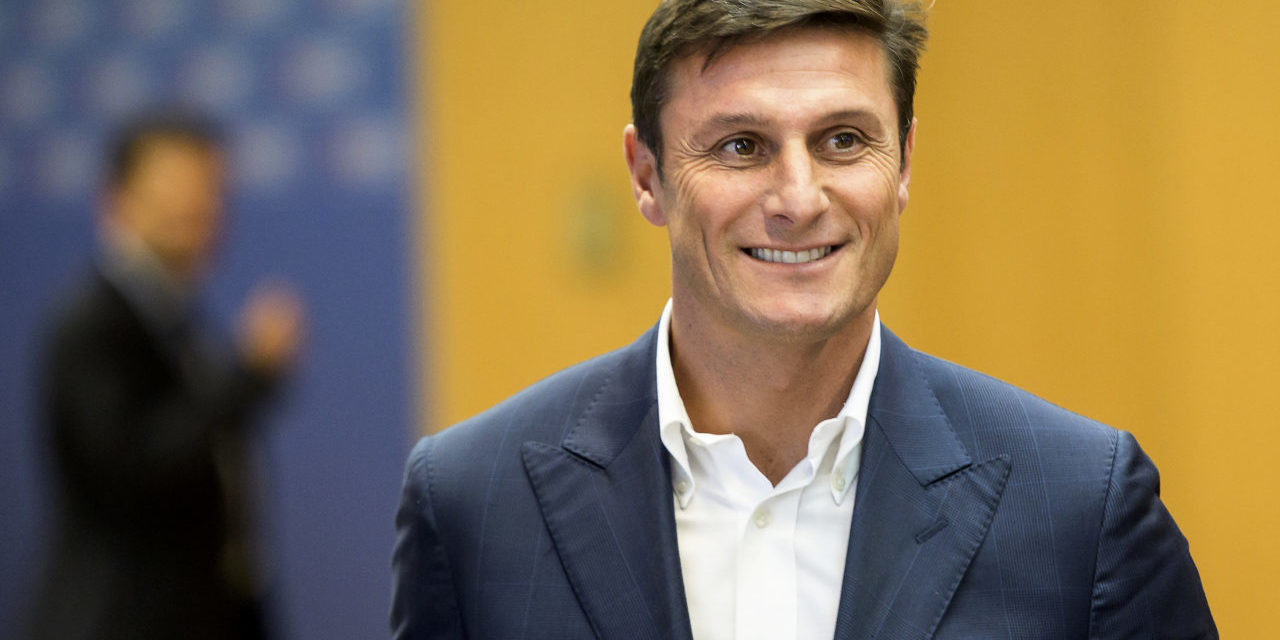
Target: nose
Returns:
[[797, 196]]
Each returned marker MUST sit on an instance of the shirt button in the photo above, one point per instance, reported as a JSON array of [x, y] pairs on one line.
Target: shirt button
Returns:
[[762, 518], [682, 487], [838, 482]]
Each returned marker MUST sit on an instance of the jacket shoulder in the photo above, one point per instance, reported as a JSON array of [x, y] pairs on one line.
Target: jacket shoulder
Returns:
[[984, 411], [91, 313], [543, 412]]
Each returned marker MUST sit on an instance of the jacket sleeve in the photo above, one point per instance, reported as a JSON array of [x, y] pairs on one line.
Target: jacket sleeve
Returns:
[[1145, 583], [424, 604]]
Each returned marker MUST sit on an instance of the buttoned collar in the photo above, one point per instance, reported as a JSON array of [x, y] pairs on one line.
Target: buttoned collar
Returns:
[[846, 427]]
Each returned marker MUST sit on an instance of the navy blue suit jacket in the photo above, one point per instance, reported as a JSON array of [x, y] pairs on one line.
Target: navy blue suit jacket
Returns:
[[981, 512]]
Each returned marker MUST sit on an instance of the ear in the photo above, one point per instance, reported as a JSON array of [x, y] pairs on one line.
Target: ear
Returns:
[[645, 184], [904, 176]]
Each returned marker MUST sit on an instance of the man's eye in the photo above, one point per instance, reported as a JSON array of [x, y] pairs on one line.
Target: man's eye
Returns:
[[844, 140], [741, 147]]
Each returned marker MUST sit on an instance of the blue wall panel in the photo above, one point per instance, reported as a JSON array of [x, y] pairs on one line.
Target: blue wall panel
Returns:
[[313, 95]]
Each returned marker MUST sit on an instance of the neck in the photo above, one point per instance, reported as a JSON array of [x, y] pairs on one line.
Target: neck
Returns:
[[771, 394], [127, 248]]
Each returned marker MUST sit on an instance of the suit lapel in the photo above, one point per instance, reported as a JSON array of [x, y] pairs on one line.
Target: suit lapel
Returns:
[[605, 494], [922, 508]]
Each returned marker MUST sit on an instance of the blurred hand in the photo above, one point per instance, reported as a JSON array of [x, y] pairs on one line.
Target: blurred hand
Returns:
[[271, 327]]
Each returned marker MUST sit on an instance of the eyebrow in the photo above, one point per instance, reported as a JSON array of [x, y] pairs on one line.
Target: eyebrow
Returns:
[[750, 120], [730, 120], [850, 114]]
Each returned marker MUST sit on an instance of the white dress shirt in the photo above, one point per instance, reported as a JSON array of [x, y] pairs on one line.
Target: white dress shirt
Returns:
[[762, 561]]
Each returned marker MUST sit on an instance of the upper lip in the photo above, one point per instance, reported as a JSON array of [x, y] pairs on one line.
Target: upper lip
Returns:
[[807, 247]]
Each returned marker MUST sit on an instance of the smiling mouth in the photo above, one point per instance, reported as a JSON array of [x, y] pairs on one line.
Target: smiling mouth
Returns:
[[791, 257]]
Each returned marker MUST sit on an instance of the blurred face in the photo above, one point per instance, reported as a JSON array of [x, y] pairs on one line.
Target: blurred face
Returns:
[[174, 204], [782, 185]]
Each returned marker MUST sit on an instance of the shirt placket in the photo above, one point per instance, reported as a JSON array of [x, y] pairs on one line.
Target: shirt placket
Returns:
[[766, 587]]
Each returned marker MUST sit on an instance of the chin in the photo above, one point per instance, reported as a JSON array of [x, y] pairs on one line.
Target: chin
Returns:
[[800, 320]]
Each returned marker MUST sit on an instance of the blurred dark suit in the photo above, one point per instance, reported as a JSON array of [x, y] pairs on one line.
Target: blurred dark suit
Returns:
[[147, 432]]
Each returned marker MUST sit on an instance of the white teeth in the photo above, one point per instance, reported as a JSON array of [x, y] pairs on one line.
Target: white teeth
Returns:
[[790, 257]]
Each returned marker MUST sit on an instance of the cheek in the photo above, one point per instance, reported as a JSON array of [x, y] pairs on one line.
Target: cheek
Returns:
[[881, 250], [872, 201], [686, 208], [191, 228], [713, 204]]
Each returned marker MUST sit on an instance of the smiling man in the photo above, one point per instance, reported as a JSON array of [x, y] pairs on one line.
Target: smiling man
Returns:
[[770, 461]]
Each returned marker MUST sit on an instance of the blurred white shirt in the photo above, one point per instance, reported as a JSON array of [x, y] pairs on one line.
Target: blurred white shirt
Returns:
[[761, 561]]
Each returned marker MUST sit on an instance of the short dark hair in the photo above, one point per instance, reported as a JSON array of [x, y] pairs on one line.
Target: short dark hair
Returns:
[[131, 139], [680, 27]]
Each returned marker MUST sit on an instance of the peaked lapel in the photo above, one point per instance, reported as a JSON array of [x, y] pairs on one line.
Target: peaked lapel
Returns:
[[605, 494], [921, 511]]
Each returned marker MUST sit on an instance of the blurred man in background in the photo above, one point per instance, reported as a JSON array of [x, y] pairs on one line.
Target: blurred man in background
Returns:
[[148, 421]]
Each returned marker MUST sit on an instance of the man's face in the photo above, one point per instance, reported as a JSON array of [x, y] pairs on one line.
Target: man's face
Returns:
[[782, 183], [173, 202]]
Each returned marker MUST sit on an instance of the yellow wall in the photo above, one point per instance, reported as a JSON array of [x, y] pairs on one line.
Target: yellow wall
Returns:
[[532, 256], [1094, 217]]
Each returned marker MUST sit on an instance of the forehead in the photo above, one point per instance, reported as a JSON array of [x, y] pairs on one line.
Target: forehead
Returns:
[[794, 68]]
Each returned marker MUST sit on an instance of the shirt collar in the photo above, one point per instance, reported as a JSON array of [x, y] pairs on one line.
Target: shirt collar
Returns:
[[675, 426], [140, 277]]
